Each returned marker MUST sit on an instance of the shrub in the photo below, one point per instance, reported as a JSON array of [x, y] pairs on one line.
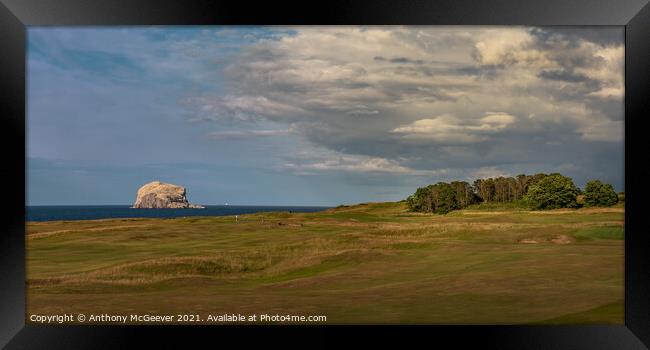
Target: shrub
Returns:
[[552, 192], [598, 194]]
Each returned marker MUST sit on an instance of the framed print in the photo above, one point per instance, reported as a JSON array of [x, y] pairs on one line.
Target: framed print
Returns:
[[472, 173]]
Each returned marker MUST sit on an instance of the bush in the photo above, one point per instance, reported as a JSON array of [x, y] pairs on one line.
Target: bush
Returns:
[[552, 192], [598, 194]]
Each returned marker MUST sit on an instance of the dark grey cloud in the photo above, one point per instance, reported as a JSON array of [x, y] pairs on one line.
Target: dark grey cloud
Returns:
[[602, 35], [564, 75], [416, 99], [398, 60]]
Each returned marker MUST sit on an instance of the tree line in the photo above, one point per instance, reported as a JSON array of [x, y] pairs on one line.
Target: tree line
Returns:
[[539, 191]]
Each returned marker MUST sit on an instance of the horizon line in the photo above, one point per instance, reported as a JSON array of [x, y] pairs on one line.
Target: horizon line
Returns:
[[223, 205]]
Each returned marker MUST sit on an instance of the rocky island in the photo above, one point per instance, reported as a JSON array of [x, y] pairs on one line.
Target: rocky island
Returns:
[[158, 194]]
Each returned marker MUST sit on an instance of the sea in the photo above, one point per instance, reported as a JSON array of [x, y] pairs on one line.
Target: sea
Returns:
[[94, 212]]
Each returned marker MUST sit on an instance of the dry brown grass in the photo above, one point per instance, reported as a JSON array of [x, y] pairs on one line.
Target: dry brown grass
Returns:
[[37, 235]]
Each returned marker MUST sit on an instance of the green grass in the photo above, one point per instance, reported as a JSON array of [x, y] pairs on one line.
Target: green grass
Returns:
[[510, 205], [371, 263], [600, 232]]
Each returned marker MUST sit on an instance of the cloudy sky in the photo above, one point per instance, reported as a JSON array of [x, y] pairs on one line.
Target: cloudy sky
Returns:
[[316, 115]]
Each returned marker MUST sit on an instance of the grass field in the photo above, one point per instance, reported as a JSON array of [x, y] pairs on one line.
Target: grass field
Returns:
[[371, 263]]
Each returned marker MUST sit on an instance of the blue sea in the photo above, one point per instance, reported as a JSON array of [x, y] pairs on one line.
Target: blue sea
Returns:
[[92, 212]]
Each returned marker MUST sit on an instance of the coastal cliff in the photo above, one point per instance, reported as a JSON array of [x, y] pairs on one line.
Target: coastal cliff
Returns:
[[157, 194]]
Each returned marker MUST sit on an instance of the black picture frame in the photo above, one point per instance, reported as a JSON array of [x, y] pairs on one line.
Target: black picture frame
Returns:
[[16, 15]]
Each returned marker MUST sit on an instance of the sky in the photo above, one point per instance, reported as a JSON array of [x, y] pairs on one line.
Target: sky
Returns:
[[322, 115]]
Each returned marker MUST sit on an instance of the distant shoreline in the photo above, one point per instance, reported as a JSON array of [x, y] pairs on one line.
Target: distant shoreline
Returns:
[[39, 213], [205, 205]]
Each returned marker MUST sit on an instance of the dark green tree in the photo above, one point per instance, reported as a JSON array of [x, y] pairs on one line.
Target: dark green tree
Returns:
[[598, 194], [540, 191], [443, 198], [420, 201], [464, 193], [533, 179], [440, 198], [522, 185], [484, 188], [551, 192]]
